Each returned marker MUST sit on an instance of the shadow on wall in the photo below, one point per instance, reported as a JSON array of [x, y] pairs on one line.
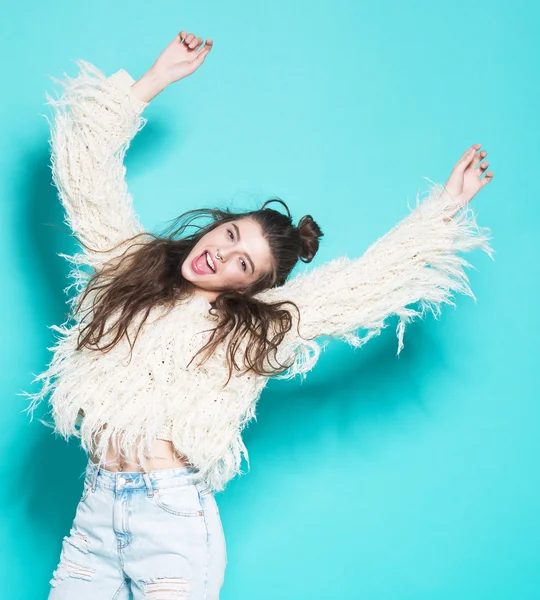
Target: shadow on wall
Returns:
[[51, 469], [350, 395], [359, 386]]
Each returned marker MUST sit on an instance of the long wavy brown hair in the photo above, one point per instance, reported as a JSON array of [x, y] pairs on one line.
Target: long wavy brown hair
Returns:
[[149, 274]]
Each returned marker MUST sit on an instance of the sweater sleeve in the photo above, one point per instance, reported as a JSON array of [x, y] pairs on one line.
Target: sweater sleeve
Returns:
[[413, 268], [94, 119]]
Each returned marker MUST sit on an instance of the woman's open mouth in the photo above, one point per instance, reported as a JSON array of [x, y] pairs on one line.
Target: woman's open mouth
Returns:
[[203, 264]]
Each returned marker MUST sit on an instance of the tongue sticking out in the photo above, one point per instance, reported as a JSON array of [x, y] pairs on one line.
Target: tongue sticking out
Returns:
[[202, 264]]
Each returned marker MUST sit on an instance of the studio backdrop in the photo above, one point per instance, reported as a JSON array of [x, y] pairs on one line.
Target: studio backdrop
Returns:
[[377, 477]]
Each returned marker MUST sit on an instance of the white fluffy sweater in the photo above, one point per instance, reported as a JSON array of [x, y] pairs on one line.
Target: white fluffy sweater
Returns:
[[415, 267]]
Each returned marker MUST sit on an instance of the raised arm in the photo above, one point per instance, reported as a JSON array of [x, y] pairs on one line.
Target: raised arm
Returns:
[[95, 119], [413, 268]]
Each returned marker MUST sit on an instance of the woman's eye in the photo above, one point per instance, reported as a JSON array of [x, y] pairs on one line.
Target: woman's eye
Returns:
[[244, 266], [231, 234]]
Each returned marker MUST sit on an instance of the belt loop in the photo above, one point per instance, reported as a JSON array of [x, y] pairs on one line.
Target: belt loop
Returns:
[[148, 483], [94, 480]]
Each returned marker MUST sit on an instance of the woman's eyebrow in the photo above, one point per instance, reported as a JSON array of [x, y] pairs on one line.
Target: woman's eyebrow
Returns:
[[247, 255]]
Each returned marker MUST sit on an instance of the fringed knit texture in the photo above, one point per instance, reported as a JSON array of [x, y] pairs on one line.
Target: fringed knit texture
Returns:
[[95, 119], [126, 403], [415, 268]]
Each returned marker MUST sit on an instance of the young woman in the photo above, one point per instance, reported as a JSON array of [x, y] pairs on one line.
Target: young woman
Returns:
[[173, 337]]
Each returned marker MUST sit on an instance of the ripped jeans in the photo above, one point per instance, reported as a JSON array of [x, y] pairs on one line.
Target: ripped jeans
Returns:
[[154, 535]]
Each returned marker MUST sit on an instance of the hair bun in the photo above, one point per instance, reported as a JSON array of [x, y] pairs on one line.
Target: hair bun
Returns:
[[310, 233]]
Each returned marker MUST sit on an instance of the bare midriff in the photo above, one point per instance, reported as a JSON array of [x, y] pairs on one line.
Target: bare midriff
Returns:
[[165, 457]]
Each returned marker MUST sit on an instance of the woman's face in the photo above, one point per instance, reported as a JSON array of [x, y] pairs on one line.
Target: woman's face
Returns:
[[230, 257]]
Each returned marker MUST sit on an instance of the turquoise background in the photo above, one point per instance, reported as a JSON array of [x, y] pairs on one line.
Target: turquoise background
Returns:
[[377, 477]]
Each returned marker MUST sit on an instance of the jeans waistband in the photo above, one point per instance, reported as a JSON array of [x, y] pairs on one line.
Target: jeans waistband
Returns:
[[97, 476]]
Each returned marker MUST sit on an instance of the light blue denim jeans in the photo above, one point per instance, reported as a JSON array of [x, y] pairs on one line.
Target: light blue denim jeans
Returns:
[[154, 535]]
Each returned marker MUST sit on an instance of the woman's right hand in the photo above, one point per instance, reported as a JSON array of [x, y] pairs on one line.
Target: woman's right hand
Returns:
[[181, 57]]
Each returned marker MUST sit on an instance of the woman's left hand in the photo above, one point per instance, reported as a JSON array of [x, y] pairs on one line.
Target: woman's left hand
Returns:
[[466, 180]]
